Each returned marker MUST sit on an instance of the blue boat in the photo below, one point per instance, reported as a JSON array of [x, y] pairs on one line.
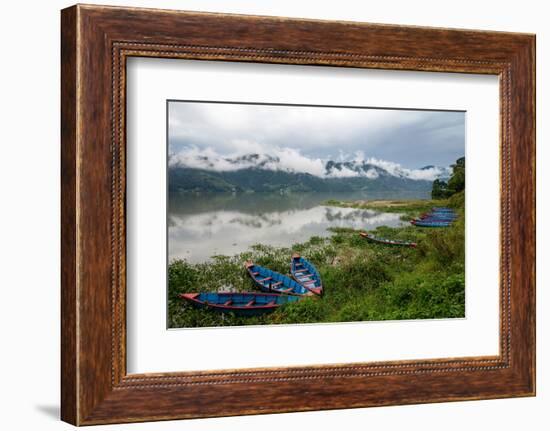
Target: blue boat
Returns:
[[430, 223], [439, 216], [305, 273], [386, 241], [436, 219], [239, 303], [275, 282]]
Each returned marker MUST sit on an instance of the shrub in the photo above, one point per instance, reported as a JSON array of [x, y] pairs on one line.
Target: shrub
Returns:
[[363, 273], [445, 247], [457, 200], [308, 310], [425, 295]]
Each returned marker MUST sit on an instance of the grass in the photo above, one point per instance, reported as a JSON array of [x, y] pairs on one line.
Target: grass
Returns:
[[362, 280], [409, 208]]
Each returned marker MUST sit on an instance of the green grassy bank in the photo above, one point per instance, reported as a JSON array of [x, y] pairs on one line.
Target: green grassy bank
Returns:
[[362, 280]]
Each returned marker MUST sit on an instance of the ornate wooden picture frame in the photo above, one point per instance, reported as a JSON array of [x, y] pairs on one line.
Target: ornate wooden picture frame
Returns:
[[96, 42]]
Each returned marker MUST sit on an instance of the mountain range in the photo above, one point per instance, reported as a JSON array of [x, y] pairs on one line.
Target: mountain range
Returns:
[[264, 173]]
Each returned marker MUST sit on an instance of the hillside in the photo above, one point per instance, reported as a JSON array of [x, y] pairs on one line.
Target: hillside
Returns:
[[192, 180], [255, 173]]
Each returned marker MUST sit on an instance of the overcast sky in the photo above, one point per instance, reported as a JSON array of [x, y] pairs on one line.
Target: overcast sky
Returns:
[[412, 139]]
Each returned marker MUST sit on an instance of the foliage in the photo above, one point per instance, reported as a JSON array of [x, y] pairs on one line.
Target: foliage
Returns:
[[456, 184], [457, 201], [439, 189]]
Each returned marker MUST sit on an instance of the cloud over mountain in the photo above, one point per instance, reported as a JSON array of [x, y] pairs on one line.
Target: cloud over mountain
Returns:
[[309, 136], [293, 161]]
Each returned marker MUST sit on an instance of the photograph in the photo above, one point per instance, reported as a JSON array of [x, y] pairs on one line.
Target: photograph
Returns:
[[304, 214]]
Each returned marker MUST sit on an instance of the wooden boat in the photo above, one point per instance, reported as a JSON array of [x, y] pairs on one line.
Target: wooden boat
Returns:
[[386, 241], [430, 223], [441, 219], [239, 303], [440, 216], [437, 220], [305, 273], [274, 282]]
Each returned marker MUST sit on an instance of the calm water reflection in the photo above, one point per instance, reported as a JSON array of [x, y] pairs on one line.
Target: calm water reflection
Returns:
[[202, 226]]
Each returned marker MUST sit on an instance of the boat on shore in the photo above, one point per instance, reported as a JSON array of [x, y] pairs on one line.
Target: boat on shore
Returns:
[[372, 238], [431, 223], [305, 273], [438, 217], [275, 282], [239, 303]]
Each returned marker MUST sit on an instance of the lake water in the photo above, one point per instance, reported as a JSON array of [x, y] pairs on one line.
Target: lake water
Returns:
[[202, 226]]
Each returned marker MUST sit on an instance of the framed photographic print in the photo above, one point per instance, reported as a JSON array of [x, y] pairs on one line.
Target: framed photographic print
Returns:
[[268, 215]]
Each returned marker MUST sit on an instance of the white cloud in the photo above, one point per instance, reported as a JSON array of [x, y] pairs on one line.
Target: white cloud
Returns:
[[292, 160], [412, 138], [429, 174], [372, 174], [343, 173], [397, 170]]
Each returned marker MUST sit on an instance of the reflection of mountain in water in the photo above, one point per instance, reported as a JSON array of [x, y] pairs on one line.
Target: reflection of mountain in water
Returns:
[[270, 202], [257, 222], [196, 233], [353, 215]]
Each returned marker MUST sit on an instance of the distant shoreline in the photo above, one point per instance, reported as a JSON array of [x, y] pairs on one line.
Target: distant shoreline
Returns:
[[412, 207]]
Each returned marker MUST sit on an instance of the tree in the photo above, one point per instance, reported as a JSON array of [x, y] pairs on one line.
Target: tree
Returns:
[[439, 189], [456, 184]]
